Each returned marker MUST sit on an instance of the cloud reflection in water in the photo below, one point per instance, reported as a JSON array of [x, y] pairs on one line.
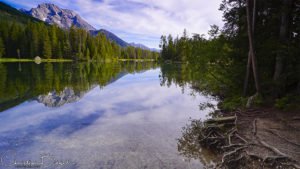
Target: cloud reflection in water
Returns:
[[131, 123]]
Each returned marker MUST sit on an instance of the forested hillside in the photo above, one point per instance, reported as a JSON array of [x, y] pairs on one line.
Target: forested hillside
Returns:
[[22, 36], [12, 14], [256, 52]]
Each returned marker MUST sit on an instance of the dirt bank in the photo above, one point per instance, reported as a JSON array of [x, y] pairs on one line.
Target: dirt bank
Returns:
[[254, 138], [271, 136]]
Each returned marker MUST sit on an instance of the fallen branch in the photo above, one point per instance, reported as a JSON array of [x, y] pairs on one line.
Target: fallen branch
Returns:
[[221, 119], [275, 150], [232, 152], [254, 127], [241, 138]]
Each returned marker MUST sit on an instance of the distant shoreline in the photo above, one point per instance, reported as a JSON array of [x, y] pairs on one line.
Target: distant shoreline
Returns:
[[5, 60], [32, 60]]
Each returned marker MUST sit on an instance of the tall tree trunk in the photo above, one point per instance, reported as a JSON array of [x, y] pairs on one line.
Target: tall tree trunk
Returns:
[[249, 62], [283, 38], [298, 87], [252, 61]]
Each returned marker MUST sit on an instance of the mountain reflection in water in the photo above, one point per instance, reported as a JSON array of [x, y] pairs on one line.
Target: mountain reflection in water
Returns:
[[110, 116]]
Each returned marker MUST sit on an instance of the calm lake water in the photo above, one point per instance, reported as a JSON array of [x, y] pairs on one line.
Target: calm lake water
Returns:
[[122, 115]]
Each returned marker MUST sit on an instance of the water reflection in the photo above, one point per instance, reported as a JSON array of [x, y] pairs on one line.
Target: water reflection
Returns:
[[132, 122], [54, 99], [189, 144], [51, 83]]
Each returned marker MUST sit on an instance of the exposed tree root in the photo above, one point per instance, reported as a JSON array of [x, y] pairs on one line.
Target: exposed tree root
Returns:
[[254, 127], [283, 138], [222, 135]]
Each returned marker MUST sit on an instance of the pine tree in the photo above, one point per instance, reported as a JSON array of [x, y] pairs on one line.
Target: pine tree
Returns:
[[2, 48], [87, 54], [34, 41], [54, 41], [60, 52], [67, 49], [13, 40], [95, 53], [47, 52], [80, 54]]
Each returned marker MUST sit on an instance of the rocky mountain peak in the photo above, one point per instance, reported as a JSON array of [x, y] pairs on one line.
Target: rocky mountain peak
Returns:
[[49, 6], [64, 18]]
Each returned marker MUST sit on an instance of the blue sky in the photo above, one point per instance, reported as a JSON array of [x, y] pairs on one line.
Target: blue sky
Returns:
[[141, 21]]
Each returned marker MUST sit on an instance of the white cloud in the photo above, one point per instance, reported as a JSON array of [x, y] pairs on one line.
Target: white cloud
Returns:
[[144, 20]]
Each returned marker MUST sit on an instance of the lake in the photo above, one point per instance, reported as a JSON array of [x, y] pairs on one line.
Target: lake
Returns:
[[116, 115]]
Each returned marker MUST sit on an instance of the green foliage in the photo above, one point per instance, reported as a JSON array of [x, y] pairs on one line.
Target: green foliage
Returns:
[[214, 72], [137, 53], [88, 54], [67, 49], [219, 61], [290, 101], [2, 49], [281, 103], [232, 103]]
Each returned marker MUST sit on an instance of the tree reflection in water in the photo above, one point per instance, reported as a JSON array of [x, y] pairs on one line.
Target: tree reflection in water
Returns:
[[189, 145], [36, 80]]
